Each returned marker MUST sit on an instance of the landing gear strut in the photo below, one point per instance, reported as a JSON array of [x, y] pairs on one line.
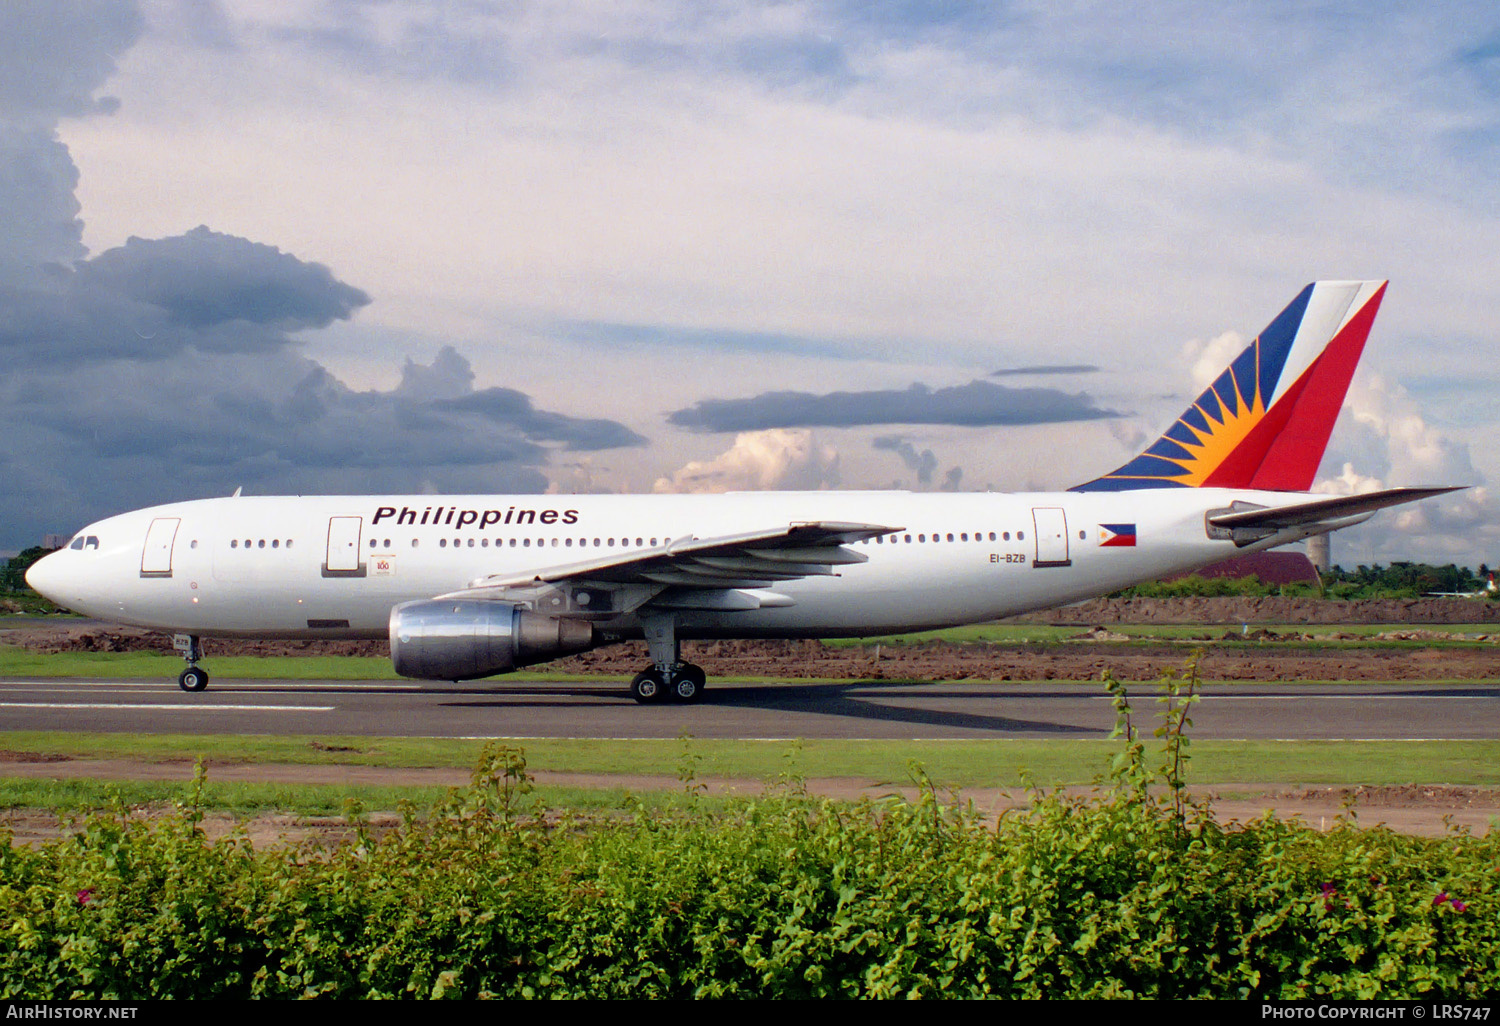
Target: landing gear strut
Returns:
[[194, 678], [668, 677]]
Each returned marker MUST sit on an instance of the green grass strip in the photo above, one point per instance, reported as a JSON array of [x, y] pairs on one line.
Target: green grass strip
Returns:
[[241, 798], [979, 763]]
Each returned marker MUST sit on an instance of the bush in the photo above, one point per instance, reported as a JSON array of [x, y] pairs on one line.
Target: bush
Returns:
[[1132, 892]]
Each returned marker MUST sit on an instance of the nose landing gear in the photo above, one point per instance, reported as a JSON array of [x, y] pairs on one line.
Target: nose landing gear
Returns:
[[194, 678]]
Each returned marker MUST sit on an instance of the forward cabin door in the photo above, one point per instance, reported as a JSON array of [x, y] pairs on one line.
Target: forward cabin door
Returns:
[[1051, 535], [343, 548], [156, 558]]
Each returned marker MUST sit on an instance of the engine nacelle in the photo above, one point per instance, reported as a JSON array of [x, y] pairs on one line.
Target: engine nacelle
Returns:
[[460, 639]]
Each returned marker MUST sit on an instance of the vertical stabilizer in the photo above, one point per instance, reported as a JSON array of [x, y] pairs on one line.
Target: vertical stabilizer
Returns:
[[1265, 421]]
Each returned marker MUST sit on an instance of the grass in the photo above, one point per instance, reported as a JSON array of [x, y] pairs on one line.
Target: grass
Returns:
[[240, 798], [960, 764]]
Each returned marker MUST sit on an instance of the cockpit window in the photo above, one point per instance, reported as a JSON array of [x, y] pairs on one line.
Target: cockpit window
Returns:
[[77, 543], [91, 542]]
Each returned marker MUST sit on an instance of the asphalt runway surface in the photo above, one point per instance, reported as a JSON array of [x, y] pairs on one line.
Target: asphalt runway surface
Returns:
[[516, 708]]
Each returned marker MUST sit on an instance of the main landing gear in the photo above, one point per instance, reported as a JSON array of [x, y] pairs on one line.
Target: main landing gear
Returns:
[[194, 678], [668, 678]]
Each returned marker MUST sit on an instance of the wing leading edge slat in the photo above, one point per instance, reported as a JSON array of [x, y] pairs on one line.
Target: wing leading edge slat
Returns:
[[753, 559]]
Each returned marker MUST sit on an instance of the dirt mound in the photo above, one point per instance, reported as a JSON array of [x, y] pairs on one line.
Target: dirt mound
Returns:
[[1239, 653], [1269, 609]]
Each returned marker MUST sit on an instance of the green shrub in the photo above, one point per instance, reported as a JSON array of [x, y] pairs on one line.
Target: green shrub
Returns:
[[1133, 891]]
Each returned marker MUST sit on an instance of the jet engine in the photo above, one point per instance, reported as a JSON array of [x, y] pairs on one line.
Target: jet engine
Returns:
[[460, 639]]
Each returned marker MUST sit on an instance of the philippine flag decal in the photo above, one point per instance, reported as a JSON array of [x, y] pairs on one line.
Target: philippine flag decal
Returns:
[[1119, 536]]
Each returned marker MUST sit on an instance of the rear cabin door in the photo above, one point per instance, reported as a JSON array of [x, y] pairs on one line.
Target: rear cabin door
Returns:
[[156, 557], [343, 548], [1051, 525]]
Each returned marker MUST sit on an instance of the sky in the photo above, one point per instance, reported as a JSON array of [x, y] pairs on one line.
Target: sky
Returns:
[[323, 246]]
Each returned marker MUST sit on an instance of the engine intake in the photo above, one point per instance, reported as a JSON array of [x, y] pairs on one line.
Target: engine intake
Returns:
[[462, 639]]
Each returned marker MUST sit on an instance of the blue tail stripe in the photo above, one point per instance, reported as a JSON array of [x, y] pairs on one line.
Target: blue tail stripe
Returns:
[[1171, 450], [1181, 432], [1224, 389], [1194, 417], [1276, 341], [1208, 402]]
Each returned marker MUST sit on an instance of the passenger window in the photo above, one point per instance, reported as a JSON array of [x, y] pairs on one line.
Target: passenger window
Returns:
[[234, 543], [1020, 536], [921, 537], [442, 543], [275, 543], [261, 543], [1007, 536]]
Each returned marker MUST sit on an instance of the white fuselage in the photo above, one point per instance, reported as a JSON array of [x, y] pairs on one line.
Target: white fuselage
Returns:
[[333, 566]]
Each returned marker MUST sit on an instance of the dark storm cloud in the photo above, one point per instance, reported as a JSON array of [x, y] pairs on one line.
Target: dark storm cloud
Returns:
[[505, 407], [118, 434], [204, 279], [977, 404], [155, 298], [923, 463], [167, 369], [1047, 368], [55, 53]]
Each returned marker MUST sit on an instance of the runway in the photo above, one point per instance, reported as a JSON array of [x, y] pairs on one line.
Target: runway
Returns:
[[845, 709]]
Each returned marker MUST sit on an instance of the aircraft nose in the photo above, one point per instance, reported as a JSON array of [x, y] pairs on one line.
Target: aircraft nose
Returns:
[[45, 576]]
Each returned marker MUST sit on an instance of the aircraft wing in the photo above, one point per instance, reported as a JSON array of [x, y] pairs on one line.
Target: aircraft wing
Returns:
[[724, 564], [1334, 508]]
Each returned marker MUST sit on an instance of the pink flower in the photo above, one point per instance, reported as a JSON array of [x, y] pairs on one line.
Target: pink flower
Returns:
[[1442, 897], [1458, 906], [84, 895]]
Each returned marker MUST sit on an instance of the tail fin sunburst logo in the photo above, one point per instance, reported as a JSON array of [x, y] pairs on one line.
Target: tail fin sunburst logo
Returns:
[[1265, 421]]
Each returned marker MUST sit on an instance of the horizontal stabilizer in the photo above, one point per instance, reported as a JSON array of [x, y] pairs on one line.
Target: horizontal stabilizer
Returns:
[[1321, 510]]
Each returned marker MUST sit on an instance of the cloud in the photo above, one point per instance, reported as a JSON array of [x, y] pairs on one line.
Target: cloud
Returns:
[[204, 279], [776, 459], [1056, 368], [152, 299], [924, 462], [1384, 441], [122, 433], [170, 368], [977, 404]]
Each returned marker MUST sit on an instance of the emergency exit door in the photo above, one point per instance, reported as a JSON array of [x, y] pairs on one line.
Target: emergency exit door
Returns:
[[343, 548], [1051, 535], [156, 557]]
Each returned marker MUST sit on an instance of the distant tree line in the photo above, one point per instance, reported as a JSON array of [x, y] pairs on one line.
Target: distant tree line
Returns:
[[13, 575], [1399, 580]]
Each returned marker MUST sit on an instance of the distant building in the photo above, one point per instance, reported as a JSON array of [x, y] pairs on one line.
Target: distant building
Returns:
[[55, 541], [1275, 568], [1320, 551]]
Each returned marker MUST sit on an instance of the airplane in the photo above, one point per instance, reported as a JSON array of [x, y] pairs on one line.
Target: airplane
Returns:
[[471, 586]]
